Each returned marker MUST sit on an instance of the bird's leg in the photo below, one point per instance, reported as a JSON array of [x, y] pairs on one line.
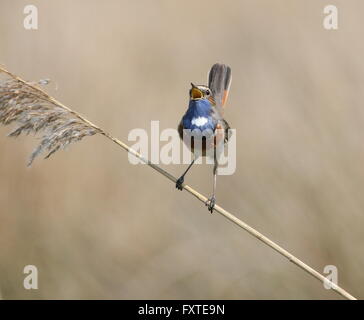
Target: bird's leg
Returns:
[[210, 203], [181, 179]]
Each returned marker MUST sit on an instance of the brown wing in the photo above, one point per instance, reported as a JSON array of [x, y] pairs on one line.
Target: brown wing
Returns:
[[180, 130]]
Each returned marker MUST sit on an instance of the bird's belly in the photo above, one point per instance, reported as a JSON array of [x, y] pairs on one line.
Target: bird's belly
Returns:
[[203, 143]]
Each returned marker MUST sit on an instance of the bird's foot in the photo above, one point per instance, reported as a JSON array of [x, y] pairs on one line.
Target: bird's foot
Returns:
[[179, 183], [210, 203]]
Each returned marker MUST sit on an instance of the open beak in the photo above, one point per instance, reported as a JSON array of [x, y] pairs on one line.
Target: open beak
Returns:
[[196, 93]]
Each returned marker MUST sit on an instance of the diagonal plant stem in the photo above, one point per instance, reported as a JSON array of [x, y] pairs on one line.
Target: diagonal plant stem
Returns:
[[192, 191]]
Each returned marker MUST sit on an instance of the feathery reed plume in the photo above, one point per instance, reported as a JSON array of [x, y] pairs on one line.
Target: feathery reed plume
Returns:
[[34, 110]]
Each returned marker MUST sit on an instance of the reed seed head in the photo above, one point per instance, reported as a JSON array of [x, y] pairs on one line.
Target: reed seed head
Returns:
[[33, 111]]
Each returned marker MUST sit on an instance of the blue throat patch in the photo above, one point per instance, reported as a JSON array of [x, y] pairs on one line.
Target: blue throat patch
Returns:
[[198, 116]]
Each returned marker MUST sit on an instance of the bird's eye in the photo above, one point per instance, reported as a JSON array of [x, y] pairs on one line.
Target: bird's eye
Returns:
[[208, 92]]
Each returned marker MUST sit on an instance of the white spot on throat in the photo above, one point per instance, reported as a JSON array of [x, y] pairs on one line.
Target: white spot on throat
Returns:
[[199, 122]]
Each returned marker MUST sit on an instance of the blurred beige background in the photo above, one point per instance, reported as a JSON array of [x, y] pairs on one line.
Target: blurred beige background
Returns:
[[99, 227]]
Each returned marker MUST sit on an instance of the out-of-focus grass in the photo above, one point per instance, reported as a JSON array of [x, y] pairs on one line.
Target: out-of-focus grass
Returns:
[[296, 102]]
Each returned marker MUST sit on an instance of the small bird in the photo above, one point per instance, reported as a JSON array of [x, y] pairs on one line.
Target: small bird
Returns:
[[204, 118]]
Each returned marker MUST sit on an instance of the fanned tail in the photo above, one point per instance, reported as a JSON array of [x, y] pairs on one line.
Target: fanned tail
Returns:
[[219, 81]]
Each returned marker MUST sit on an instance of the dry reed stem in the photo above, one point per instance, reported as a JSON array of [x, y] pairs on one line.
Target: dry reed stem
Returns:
[[34, 110]]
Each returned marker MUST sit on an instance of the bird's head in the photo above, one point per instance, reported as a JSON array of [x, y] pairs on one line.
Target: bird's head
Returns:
[[198, 92]]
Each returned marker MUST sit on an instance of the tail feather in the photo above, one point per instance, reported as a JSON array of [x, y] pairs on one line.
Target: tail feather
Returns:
[[219, 80]]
